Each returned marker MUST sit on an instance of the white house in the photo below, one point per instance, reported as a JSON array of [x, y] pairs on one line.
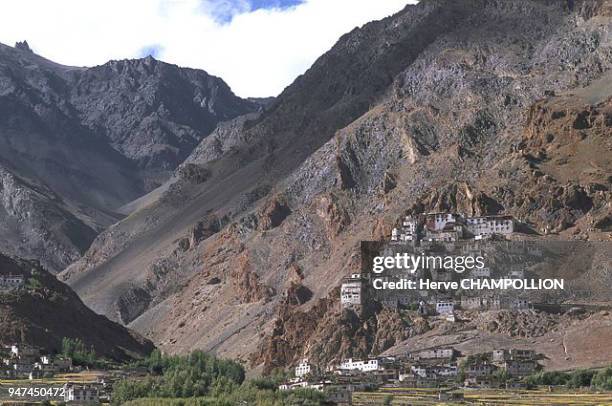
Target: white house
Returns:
[[488, 225], [351, 291], [438, 221], [444, 308], [359, 365], [303, 368], [408, 230]]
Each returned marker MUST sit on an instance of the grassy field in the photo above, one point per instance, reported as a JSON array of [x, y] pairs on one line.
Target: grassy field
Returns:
[[541, 396]]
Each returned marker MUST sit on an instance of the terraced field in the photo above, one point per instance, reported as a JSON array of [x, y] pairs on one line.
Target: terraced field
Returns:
[[419, 396]]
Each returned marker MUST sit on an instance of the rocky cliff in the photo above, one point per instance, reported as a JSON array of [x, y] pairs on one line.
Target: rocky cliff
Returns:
[[483, 106]]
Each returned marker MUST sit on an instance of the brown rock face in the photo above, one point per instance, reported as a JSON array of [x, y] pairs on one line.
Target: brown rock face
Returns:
[[335, 218], [246, 281], [288, 337], [457, 198], [273, 213], [326, 333]]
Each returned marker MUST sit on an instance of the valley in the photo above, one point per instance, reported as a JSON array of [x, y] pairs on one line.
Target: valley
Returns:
[[187, 218]]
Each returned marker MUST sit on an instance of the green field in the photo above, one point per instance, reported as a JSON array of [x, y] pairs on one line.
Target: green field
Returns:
[[541, 396]]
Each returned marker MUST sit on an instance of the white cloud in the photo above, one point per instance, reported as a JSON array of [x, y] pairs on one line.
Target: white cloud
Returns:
[[258, 53]]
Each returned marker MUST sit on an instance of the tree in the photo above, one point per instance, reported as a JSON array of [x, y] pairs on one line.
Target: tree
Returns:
[[580, 378], [75, 348], [602, 380]]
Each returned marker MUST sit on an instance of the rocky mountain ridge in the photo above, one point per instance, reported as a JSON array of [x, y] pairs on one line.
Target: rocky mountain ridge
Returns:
[[94, 139]]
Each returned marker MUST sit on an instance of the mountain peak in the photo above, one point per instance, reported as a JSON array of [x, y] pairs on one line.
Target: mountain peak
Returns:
[[23, 46]]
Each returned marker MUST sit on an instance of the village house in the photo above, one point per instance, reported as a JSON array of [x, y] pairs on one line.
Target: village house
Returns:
[[439, 221], [74, 393], [489, 225], [446, 371], [444, 308], [451, 232], [438, 371], [500, 355], [480, 303], [408, 232], [423, 309], [11, 282], [518, 304], [520, 354], [480, 369], [422, 371], [303, 368], [436, 353], [24, 351], [24, 361], [520, 368], [22, 368], [351, 291], [46, 370], [451, 227], [368, 365], [297, 383]]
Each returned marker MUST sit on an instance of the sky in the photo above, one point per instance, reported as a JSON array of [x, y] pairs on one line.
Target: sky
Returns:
[[257, 46]]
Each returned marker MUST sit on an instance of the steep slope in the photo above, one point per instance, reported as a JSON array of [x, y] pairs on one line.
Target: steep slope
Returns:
[[96, 138], [439, 106], [45, 311], [36, 222]]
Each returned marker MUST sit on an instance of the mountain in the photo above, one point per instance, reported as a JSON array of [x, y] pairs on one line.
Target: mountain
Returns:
[[79, 143], [44, 311], [480, 106]]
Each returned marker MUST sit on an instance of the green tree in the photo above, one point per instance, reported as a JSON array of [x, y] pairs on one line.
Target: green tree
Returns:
[[75, 349], [602, 380], [580, 378]]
